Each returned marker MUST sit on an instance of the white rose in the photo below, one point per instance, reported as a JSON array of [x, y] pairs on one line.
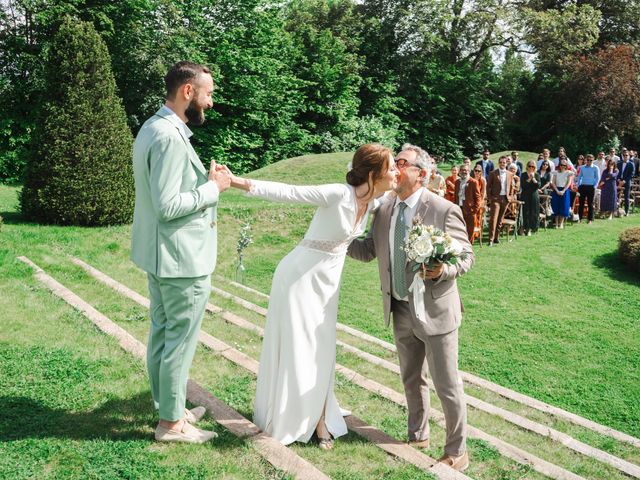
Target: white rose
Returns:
[[456, 247]]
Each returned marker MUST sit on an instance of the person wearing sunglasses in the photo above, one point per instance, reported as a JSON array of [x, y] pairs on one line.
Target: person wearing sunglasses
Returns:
[[530, 195], [588, 179], [422, 345], [560, 196]]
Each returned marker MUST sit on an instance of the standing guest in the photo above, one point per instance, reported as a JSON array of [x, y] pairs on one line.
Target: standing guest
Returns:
[[482, 182], [530, 185], [545, 177], [573, 188], [436, 183], [485, 163], [468, 196], [601, 162], [430, 345], [467, 161], [546, 156], [450, 182], [609, 189], [516, 178], [174, 240], [627, 172], [588, 178], [580, 160], [636, 161], [612, 154], [515, 157], [560, 182], [499, 193], [562, 153], [513, 208]]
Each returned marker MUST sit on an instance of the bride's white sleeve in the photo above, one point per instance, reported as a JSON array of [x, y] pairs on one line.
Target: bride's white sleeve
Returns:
[[318, 195]]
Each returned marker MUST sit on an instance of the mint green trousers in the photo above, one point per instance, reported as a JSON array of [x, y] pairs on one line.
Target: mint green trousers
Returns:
[[177, 307]]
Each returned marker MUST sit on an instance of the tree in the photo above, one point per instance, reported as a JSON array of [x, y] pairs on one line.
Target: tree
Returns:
[[602, 93], [80, 170]]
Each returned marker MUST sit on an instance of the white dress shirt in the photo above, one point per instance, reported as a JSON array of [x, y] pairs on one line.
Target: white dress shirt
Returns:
[[503, 182], [409, 213]]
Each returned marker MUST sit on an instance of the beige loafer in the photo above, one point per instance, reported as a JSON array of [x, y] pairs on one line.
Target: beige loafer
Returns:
[[187, 434], [419, 443], [460, 463], [194, 415]]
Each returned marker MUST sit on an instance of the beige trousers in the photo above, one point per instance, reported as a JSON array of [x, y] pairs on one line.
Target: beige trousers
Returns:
[[419, 354]]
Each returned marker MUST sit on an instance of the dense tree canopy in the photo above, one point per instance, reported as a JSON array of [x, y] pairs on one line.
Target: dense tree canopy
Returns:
[[306, 76]]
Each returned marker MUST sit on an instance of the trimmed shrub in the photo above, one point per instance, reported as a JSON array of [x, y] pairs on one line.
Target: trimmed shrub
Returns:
[[80, 170], [629, 247]]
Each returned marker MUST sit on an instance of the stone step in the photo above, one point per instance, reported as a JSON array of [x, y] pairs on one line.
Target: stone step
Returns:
[[467, 377]]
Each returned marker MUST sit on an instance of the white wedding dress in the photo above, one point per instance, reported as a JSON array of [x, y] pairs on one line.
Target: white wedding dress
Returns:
[[297, 363]]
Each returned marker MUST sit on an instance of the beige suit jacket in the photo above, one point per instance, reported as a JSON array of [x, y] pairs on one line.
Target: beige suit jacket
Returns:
[[443, 306]]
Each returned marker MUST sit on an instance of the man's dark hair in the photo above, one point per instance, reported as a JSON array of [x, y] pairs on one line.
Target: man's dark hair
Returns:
[[181, 73]]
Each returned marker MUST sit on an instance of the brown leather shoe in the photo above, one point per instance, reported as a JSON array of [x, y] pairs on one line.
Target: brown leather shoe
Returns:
[[460, 463], [419, 443]]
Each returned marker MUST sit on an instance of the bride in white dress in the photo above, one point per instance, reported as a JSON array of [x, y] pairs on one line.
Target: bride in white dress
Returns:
[[294, 394]]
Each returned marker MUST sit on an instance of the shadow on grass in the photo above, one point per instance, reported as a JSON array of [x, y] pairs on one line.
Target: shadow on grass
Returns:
[[14, 218], [616, 268], [120, 419]]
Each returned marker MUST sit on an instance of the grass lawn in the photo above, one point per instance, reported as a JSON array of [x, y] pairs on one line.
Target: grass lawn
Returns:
[[555, 316]]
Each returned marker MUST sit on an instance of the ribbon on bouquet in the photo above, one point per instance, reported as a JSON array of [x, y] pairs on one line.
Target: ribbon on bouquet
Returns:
[[418, 289]]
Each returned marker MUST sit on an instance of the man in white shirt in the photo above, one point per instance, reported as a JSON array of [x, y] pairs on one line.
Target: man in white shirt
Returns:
[[601, 162], [546, 153]]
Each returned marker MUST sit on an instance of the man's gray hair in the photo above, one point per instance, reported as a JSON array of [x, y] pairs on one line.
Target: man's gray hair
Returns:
[[423, 159]]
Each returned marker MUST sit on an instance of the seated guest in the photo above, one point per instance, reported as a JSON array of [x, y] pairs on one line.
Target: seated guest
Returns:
[[529, 188], [609, 189], [588, 178], [626, 171], [560, 182], [469, 197], [450, 183], [436, 183], [500, 192]]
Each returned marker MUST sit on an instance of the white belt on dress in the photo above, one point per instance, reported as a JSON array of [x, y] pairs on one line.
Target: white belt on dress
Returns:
[[335, 247]]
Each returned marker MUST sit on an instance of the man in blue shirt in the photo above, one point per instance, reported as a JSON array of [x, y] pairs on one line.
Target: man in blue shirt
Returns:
[[627, 170], [487, 165], [588, 179]]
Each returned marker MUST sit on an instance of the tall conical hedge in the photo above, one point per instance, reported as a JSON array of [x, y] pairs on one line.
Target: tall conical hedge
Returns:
[[80, 170]]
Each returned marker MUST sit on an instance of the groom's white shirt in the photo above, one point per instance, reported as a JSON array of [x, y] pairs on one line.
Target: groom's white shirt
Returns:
[[409, 213]]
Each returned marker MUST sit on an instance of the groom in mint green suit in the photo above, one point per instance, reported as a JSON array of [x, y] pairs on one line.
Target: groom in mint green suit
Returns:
[[174, 239]]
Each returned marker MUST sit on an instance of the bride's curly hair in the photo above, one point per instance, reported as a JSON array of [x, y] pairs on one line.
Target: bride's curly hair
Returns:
[[369, 164]]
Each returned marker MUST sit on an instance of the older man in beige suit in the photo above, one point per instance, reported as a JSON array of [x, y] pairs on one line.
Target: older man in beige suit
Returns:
[[430, 345]]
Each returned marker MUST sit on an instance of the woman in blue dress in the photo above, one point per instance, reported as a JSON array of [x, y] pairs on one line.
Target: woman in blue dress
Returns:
[[560, 195], [609, 189]]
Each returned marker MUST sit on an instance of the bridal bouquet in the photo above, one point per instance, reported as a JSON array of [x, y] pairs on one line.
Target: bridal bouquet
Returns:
[[428, 246]]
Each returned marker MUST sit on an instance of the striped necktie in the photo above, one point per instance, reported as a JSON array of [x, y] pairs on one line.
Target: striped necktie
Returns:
[[399, 255]]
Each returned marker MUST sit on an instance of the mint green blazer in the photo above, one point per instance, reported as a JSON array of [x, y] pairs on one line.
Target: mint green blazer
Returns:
[[174, 230]]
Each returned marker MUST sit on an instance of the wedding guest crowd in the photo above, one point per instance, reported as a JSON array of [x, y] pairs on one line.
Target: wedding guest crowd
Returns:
[[544, 188]]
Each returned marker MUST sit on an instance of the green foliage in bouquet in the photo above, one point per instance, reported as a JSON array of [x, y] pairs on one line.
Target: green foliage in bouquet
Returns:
[[80, 170], [629, 247]]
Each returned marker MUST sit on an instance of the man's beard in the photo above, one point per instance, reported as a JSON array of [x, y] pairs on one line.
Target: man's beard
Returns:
[[194, 113]]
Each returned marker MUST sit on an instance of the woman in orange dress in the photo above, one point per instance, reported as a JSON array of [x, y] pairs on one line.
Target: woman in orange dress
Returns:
[[450, 182], [478, 223]]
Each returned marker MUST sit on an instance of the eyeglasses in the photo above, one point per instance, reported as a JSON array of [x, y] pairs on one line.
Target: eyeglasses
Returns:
[[531, 166], [402, 163], [478, 170]]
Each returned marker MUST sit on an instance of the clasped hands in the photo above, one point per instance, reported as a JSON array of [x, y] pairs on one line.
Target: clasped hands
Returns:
[[224, 178]]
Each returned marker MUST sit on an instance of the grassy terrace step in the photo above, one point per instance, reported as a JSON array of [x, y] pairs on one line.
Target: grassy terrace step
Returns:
[[391, 395]]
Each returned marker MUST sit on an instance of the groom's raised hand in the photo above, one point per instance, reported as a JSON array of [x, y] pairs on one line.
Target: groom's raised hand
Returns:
[[220, 175]]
